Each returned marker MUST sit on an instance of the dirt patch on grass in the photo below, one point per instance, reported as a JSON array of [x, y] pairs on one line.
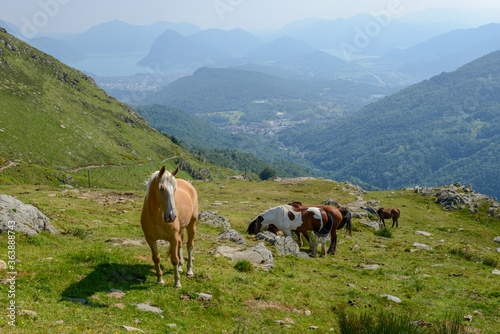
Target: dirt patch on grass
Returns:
[[262, 304]]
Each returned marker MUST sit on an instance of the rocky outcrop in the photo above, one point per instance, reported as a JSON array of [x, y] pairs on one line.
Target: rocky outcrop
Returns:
[[258, 255], [213, 219], [231, 235], [457, 197], [26, 218]]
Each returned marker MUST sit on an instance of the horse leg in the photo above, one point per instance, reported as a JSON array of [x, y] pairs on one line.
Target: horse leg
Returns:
[[191, 230], [156, 259], [314, 250], [179, 255], [299, 239], [333, 245], [383, 222], [174, 258], [323, 246]]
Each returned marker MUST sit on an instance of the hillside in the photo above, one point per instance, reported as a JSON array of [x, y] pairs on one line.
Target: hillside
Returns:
[[235, 151], [211, 92], [55, 120], [442, 130], [172, 51]]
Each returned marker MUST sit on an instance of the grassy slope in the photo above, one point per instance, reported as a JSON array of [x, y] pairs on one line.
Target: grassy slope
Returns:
[[54, 119], [79, 263]]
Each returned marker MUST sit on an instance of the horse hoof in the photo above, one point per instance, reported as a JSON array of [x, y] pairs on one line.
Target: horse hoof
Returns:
[[177, 285], [190, 273], [160, 281]]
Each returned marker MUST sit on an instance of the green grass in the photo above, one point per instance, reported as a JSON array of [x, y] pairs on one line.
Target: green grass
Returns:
[[79, 263]]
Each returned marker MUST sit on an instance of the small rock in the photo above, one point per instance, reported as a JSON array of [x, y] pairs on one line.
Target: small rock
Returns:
[[497, 239], [496, 272], [313, 327], [172, 325], [351, 285], [468, 317], [3, 265], [427, 234], [204, 296], [77, 300], [307, 312], [370, 266], [498, 250], [355, 247], [132, 329], [421, 246], [116, 294], [288, 320], [59, 322], [476, 313], [27, 312], [281, 322], [392, 298], [119, 305], [149, 308]]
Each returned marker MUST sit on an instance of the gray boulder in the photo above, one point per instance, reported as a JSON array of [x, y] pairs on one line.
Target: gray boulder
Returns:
[[212, 218], [231, 235], [258, 255], [267, 236], [28, 219], [287, 246]]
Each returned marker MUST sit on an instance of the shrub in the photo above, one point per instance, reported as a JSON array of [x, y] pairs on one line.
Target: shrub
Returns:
[[385, 232], [243, 266]]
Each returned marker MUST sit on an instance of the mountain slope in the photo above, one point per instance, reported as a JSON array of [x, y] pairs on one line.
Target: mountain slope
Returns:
[[55, 117], [445, 129], [172, 50]]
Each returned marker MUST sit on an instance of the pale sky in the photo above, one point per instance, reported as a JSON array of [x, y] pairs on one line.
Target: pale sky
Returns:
[[71, 16]]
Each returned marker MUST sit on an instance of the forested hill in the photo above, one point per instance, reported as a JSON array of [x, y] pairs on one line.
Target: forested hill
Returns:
[[445, 129]]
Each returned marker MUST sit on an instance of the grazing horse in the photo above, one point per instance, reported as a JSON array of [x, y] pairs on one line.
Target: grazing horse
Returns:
[[387, 214], [170, 207], [341, 216], [288, 218]]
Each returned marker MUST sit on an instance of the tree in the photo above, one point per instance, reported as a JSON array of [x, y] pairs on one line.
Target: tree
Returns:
[[267, 174]]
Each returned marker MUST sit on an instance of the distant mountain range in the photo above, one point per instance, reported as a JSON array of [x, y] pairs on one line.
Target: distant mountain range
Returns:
[[442, 130], [412, 42], [446, 52]]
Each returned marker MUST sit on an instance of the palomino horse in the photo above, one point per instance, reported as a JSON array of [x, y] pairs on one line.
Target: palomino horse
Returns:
[[170, 206], [388, 214], [342, 218], [288, 218]]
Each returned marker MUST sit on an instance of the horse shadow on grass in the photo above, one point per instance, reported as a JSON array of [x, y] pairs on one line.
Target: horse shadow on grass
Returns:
[[104, 278]]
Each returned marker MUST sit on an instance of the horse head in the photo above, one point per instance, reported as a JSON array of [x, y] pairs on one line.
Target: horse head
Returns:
[[255, 226], [167, 185]]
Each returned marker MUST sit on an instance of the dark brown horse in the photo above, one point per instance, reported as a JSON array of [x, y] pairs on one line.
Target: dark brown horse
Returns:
[[342, 218], [388, 214], [288, 218]]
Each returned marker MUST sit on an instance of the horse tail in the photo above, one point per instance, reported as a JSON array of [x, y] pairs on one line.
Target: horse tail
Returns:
[[346, 220], [325, 231]]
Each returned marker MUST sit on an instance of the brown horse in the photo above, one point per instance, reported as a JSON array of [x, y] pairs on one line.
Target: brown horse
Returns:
[[342, 218], [170, 207], [388, 214], [288, 218]]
